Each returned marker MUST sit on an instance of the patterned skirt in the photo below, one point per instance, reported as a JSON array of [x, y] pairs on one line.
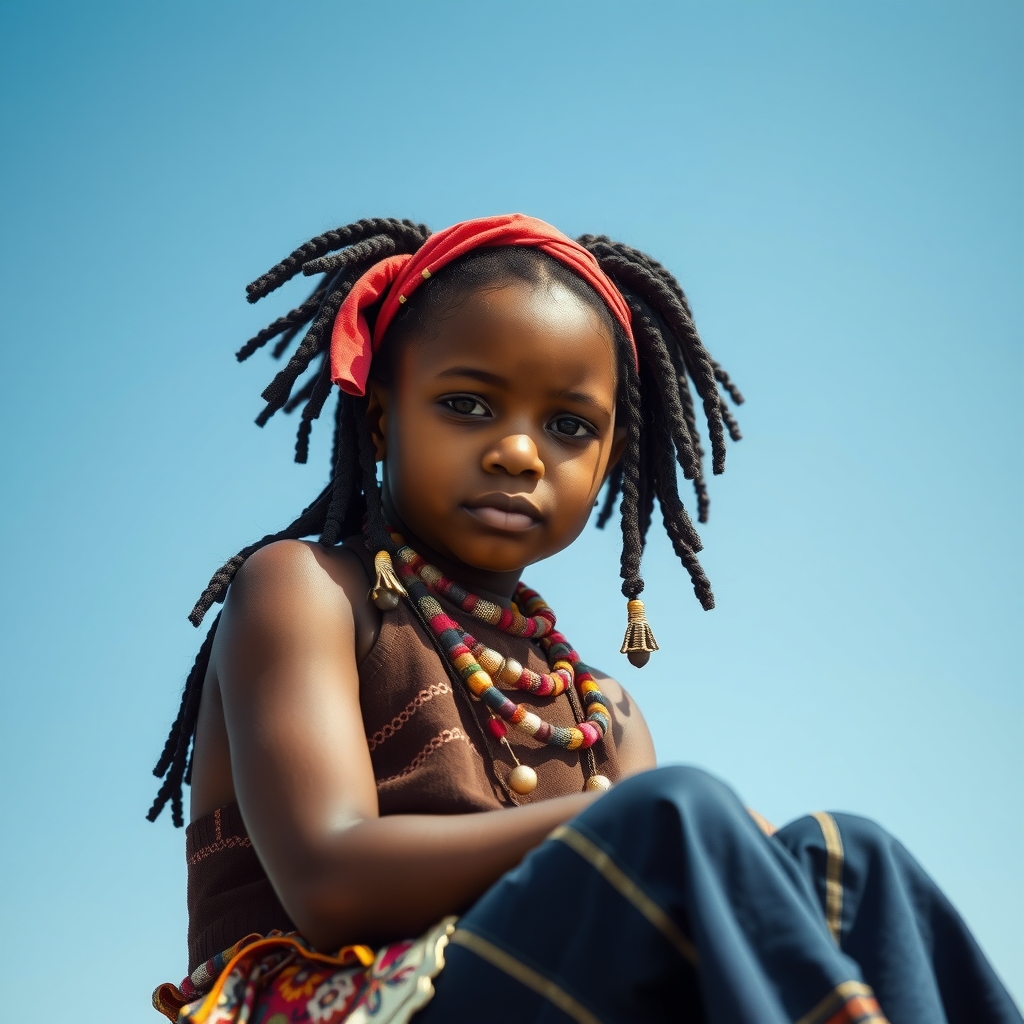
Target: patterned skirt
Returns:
[[279, 979], [663, 901]]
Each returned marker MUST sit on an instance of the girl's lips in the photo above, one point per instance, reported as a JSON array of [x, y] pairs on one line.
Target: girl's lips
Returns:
[[499, 519]]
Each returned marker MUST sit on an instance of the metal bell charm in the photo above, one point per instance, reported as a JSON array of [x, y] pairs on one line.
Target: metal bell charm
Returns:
[[639, 641], [387, 589]]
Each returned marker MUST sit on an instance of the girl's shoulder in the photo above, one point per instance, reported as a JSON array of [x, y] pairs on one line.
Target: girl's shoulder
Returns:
[[295, 582]]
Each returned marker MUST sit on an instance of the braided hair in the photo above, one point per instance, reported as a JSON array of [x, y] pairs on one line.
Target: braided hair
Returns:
[[656, 402]]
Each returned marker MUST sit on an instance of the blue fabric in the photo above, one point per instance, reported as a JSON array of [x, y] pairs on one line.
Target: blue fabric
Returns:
[[753, 908]]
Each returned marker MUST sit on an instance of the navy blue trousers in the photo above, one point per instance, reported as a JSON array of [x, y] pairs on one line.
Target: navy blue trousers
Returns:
[[665, 902]]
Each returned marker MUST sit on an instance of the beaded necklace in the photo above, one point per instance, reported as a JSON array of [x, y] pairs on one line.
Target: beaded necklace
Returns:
[[482, 669]]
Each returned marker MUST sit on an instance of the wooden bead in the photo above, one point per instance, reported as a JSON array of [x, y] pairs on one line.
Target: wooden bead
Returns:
[[522, 779], [601, 782], [639, 658]]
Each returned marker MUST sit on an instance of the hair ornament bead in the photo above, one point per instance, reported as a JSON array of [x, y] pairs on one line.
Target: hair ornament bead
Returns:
[[639, 641], [387, 589]]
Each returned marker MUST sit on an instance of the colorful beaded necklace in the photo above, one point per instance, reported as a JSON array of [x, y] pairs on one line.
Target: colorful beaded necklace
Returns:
[[482, 669]]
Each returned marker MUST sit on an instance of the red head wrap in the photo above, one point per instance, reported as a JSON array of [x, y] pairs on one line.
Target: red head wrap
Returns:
[[352, 347]]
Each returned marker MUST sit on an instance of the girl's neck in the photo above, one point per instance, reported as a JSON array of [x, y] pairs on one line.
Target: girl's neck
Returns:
[[494, 586]]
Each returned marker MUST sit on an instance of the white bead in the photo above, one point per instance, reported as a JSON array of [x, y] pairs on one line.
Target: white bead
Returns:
[[530, 723], [598, 782], [511, 672], [523, 779]]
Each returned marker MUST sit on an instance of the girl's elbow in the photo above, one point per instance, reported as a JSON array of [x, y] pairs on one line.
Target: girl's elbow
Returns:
[[328, 916]]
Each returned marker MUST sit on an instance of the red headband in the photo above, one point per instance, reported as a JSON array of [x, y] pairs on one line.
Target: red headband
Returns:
[[399, 276]]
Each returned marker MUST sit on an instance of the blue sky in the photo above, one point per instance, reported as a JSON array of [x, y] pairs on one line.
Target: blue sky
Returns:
[[837, 186]]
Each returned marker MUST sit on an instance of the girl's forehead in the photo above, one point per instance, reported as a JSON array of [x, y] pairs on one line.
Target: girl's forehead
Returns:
[[544, 326]]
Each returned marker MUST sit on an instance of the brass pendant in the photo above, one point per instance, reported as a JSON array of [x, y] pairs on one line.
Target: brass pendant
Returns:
[[599, 782], [639, 640], [387, 589]]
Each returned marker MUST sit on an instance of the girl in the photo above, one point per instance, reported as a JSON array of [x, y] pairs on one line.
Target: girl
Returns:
[[366, 767]]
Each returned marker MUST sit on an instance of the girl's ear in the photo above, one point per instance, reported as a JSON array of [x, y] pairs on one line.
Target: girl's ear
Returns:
[[378, 400], [618, 447]]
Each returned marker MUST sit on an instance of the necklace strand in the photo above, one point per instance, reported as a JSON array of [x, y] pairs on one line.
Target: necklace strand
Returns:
[[475, 662]]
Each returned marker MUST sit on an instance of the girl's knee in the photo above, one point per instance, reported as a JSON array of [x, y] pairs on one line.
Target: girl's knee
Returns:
[[865, 838], [679, 790]]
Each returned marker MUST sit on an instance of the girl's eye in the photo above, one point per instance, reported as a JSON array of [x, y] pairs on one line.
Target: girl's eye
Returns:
[[465, 405], [571, 426]]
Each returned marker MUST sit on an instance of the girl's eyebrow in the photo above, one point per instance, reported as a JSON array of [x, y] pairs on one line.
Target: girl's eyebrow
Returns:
[[484, 376], [583, 398]]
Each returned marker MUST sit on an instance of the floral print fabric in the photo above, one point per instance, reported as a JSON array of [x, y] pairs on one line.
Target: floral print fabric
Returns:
[[279, 979]]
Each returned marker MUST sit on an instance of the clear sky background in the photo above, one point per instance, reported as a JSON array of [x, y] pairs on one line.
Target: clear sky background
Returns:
[[836, 184]]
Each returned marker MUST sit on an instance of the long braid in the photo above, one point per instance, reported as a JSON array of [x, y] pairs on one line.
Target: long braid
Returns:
[[699, 485], [291, 323], [328, 242], [174, 759], [369, 250], [635, 276], [611, 494], [376, 528], [277, 391], [344, 488], [650, 338], [629, 512], [311, 521], [318, 394]]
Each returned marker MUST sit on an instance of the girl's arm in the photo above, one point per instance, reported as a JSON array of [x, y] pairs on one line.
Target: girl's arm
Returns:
[[284, 665]]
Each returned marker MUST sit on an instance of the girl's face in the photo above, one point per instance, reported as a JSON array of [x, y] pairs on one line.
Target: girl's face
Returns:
[[498, 429]]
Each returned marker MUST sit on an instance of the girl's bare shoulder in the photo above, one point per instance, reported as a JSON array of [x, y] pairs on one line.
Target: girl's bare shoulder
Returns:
[[302, 584]]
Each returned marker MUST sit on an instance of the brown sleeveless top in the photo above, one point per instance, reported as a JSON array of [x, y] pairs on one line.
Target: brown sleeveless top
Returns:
[[431, 754]]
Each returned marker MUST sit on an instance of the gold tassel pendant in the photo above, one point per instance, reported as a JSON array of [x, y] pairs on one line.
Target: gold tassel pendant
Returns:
[[639, 640], [387, 589]]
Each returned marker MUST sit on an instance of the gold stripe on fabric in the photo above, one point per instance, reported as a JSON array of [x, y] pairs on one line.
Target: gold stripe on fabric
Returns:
[[526, 976], [833, 872], [618, 879], [835, 1000]]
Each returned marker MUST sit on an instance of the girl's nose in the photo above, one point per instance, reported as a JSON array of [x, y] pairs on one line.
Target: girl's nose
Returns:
[[516, 455]]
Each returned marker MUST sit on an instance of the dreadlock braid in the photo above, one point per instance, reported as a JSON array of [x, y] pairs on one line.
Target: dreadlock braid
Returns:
[[649, 337], [346, 442], [303, 394], [611, 493], [318, 394], [655, 404], [634, 275], [172, 764], [311, 521], [369, 250], [328, 242], [291, 322], [699, 486], [632, 538], [277, 391], [376, 527]]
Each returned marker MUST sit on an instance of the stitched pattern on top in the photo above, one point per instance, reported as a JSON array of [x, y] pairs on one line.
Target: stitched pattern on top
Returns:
[[396, 723], [443, 737], [220, 842]]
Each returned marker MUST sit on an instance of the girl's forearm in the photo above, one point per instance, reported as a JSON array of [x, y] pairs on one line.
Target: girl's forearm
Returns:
[[392, 877]]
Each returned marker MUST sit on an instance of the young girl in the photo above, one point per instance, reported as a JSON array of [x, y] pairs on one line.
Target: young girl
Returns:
[[410, 797]]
